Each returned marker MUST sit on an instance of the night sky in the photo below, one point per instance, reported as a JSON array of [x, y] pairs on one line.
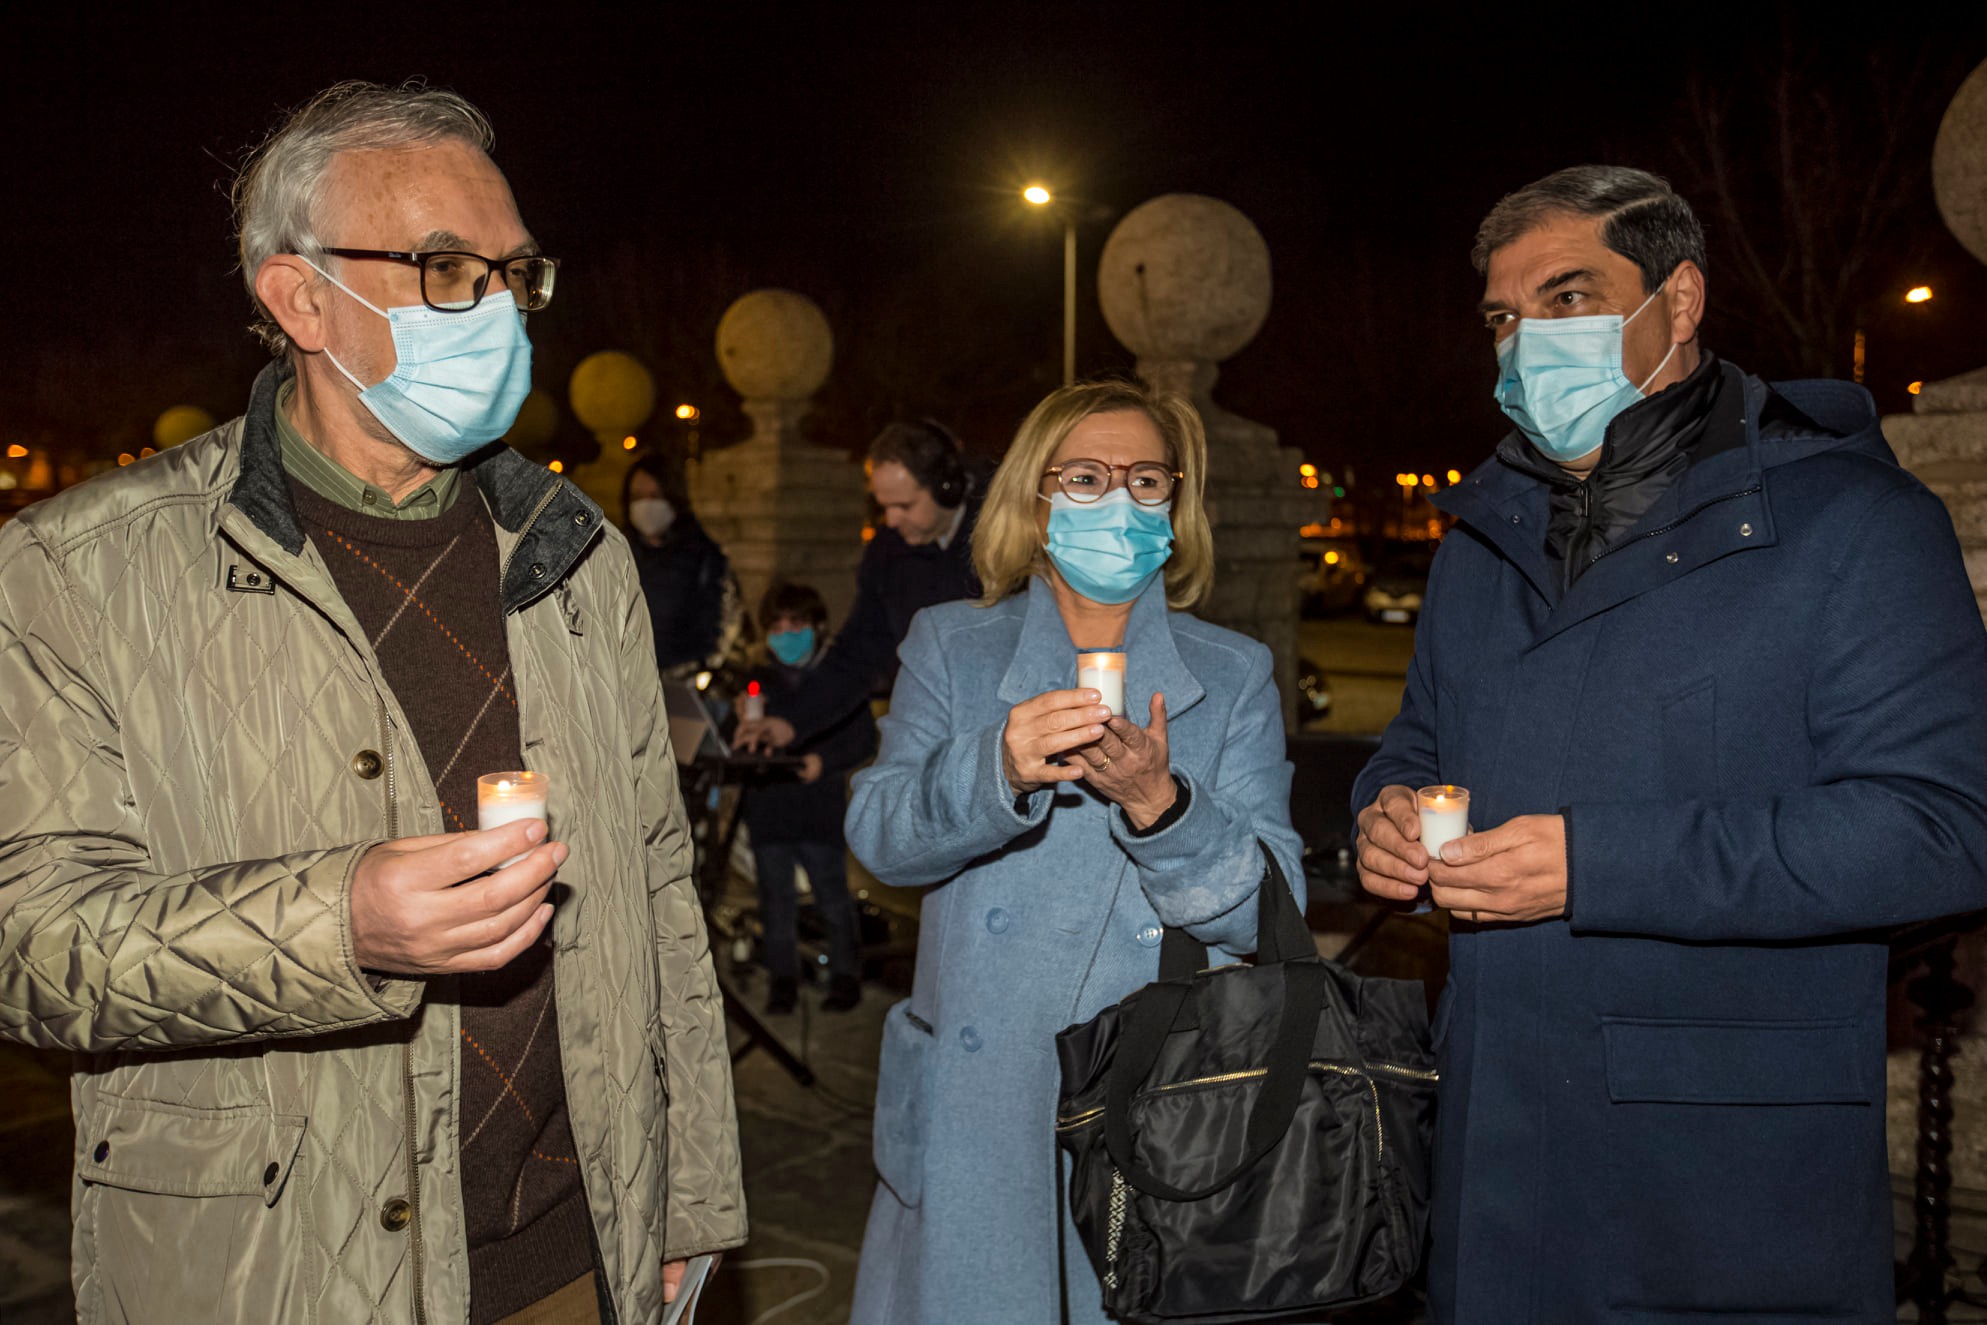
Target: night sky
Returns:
[[868, 155]]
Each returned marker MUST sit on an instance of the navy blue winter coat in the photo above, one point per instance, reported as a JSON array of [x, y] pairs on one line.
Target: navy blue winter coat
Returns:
[[1766, 716]]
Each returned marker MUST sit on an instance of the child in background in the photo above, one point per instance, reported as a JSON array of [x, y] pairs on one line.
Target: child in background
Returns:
[[798, 819]]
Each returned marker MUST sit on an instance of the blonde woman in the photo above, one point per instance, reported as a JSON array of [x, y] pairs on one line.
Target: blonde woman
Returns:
[[1056, 839]]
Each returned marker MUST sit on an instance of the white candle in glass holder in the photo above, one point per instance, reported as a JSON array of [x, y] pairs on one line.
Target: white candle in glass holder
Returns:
[[1103, 670], [1445, 816], [503, 798]]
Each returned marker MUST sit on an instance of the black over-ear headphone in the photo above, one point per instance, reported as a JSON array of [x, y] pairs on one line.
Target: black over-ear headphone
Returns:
[[942, 466]]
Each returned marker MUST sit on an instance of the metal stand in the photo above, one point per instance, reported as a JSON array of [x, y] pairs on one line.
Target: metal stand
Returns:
[[713, 835], [1923, 1278]]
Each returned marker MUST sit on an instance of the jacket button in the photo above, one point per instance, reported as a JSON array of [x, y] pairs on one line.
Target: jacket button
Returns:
[[1745, 531], [367, 764], [1149, 935], [997, 921], [537, 570], [395, 1214], [269, 1174], [970, 1038], [582, 519], [1517, 519], [1670, 557], [102, 1152]]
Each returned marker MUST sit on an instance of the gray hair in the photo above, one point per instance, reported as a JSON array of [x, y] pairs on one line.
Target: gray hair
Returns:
[[1645, 221], [281, 186]]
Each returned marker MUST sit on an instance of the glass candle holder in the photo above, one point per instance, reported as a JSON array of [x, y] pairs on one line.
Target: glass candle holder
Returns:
[[503, 798], [1445, 816], [1103, 670]]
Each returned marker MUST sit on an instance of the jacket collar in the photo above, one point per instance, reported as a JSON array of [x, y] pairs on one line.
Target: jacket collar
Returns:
[[1045, 657], [553, 522]]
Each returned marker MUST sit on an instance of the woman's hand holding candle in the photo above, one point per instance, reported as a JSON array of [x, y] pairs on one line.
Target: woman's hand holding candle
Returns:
[[1132, 767], [430, 906], [1048, 725]]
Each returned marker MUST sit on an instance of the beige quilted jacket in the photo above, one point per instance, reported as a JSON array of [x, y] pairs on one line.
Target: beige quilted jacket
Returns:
[[196, 745]]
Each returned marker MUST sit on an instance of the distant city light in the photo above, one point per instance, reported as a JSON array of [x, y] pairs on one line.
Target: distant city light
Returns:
[[627, 443], [1337, 491], [1308, 471], [16, 451], [1455, 476], [1427, 480], [1918, 294], [144, 451], [1914, 388], [124, 458], [557, 466], [1331, 558], [686, 412], [1037, 194]]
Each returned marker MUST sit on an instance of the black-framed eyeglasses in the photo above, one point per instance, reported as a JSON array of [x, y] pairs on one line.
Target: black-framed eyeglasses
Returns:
[[1149, 482], [453, 282]]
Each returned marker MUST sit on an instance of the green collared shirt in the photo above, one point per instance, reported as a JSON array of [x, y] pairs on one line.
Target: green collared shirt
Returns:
[[335, 483]]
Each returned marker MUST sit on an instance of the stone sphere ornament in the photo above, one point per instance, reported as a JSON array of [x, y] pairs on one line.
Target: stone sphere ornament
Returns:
[[1959, 163], [775, 345], [181, 423], [612, 394], [1184, 277]]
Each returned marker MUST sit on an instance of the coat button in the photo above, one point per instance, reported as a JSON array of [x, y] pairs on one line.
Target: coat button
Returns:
[[583, 519], [997, 921], [1517, 519], [269, 1174], [1745, 531], [395, 1214], [1670, 557], [367, 764], [970, 1038], [537, 570], [1149, 935], [102, 1152]]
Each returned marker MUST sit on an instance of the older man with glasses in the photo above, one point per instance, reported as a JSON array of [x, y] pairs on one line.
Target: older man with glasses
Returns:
[[340, 1053]]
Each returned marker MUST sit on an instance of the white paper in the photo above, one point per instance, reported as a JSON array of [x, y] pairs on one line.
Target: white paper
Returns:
[[683, 1311]]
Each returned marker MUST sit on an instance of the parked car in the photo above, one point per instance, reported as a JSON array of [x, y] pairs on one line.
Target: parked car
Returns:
[[1329, 575], [1397, 583]]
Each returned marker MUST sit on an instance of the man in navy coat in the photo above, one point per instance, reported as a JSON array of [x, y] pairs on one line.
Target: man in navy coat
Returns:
[[1708, 662]]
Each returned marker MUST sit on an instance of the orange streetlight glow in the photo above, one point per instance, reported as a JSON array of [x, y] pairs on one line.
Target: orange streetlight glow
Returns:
[[16, 451], [124, 458], [1915, 388], [1427, 480], [1917, 294], [557, 466], [1038, 195], [1308, 471], [686, 412], [627, 443], [1455, 476]]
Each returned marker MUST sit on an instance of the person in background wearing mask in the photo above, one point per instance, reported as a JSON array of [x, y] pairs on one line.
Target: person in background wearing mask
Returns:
[[694, 612], [1707, 661], [797, 820], [341, 1056], [922, 556], [1055, 839]]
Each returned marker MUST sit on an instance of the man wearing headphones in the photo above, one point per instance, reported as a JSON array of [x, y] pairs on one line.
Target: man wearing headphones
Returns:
[[922, 557]]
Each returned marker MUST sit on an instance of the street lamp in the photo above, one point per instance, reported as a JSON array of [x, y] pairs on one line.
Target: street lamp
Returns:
[[1917, 294], [1038, 195]]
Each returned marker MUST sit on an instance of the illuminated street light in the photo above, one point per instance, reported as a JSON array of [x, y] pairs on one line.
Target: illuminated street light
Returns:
[[1427, 480], [1915, 388], [17, 452], [627, 443], [1917, 294], [557, 466], [1038, 195], [1455, 477], [687, 412], [1308, 471]]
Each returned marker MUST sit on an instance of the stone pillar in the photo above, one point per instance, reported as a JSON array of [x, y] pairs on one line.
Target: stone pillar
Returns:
[[781, 506], [1944, 442], [1185, 283]]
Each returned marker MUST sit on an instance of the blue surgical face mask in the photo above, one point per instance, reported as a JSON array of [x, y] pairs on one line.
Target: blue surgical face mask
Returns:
[[460, 378], [792, 647], [1108, 550], [1561, 381]]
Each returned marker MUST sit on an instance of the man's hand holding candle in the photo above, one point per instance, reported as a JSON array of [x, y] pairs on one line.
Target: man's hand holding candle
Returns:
[[1132, 767], [424, 905], [764, 733], [1392, 863], [1510, 874]]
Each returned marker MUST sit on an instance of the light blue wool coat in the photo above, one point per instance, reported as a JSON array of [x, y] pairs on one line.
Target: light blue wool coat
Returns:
[[1038, 916]]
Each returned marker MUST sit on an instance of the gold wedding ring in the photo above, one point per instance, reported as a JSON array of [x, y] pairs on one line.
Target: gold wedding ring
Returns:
[[1106, 764]]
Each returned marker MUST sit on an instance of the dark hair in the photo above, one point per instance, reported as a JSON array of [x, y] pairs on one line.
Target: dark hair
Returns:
[[930, 452], [1646, 222], [665, 471], [799, 601]]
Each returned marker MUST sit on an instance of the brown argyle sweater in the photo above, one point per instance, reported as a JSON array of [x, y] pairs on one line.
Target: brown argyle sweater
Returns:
[[427, 594]]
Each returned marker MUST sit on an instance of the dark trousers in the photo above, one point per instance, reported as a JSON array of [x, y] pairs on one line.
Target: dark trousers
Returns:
[[827, 869]]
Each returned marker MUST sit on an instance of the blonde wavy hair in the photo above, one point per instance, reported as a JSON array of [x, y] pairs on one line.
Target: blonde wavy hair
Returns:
[[1007, 541]]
